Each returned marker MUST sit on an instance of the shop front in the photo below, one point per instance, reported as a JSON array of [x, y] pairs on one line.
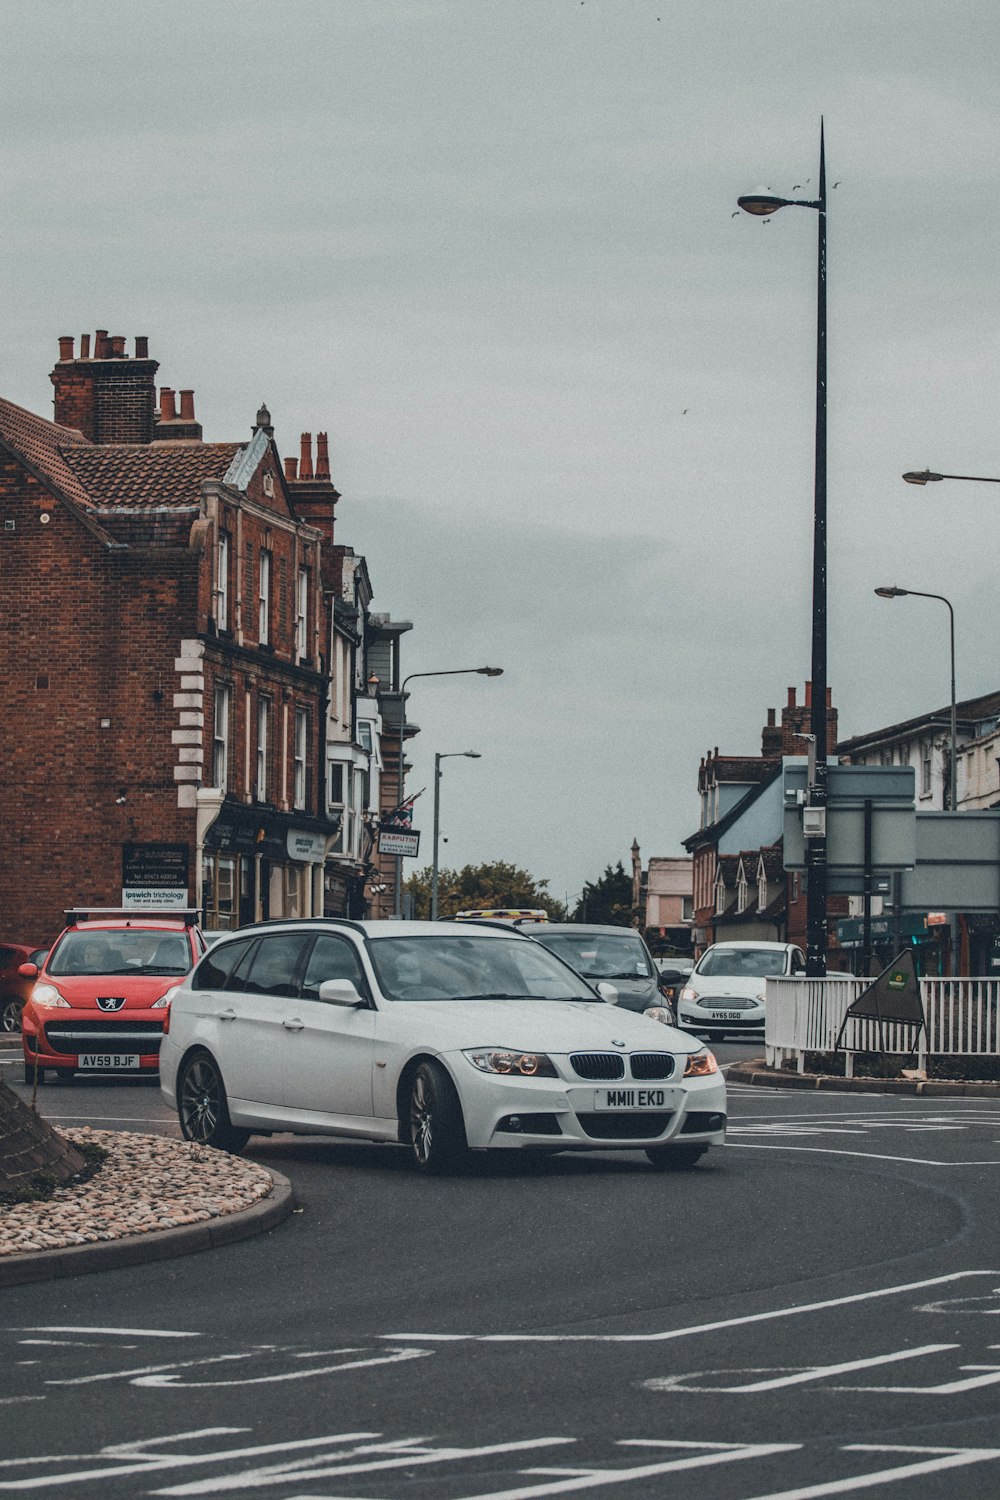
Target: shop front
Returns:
[[257, 863]]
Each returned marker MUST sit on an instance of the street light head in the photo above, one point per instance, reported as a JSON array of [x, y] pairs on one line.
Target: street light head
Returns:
[[490, 671], [761, 203], [472, 755], [923, 476], [891, 593]]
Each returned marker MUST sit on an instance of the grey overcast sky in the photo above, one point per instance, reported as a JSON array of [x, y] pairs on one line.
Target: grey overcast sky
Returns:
[[489, 245]]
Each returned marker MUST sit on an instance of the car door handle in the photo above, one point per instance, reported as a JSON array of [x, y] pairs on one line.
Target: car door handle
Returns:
[[294, 1024], [227, 1015]]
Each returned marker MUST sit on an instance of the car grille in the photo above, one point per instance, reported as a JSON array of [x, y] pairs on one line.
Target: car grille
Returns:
[[642, 1125], [652, 1064], [119, 1035], [597, 1064], [723, 1001]]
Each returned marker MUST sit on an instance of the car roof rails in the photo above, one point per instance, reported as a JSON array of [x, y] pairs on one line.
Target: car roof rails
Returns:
[[76, 914]]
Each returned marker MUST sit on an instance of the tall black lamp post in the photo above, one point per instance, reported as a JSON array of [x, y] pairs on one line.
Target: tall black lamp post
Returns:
[[763, 205]]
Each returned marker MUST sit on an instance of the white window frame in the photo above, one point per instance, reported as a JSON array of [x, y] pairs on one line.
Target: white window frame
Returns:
[[220, 735], [300, 759], [302, 613], [720, 896], [264, 597], [263, 747], [925, 770], [222, 583]]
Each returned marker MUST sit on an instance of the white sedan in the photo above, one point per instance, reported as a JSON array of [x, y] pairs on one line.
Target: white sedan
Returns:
[[447, 1039]]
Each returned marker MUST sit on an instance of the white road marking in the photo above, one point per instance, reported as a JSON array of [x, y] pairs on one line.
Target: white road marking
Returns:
[[949, 1388], [145, 1333], [786, 1377], [158, 1462], [159, 1381], [289, 1473], [692, 1329], [912, 1161]]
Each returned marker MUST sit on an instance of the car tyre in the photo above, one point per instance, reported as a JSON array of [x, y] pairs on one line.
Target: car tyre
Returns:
[[10, 1015], [674, 1158], [436, 1128], [202, 1106], [31, 1073]]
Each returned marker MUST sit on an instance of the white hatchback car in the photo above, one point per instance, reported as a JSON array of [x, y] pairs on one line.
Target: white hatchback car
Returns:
[[442, 1037], [726, 989]]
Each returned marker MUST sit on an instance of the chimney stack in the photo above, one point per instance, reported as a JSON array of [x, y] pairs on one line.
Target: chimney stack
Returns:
[[174, 428], [291, 469], [110, 398], [312, 492]]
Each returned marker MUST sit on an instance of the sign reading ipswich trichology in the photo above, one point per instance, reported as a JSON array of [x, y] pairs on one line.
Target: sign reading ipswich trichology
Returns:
[[155, 876], [404, 842]]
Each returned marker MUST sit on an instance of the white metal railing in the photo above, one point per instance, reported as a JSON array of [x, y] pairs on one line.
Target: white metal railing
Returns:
[[806, 1015]]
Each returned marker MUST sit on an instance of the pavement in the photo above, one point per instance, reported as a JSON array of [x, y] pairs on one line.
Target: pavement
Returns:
[[756, 1071]]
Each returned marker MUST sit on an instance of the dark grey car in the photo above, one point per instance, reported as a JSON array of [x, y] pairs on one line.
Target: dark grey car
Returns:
[[616, 954]]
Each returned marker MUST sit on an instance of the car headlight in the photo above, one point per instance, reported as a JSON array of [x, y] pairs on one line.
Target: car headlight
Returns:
[[687, 993], [699, 1064], [659, 1013], [165, 1000], [49, 996], [523, 1064], [761, 998]]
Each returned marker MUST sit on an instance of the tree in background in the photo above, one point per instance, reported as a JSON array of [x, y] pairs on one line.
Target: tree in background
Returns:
[[495, 884], [608, 900]]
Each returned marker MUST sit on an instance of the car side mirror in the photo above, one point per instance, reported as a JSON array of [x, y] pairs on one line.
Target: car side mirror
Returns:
[[28, 971], [340, 992], [607, 992]]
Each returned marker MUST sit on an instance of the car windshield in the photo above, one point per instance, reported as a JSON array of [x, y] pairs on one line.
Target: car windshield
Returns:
[[603, 956], [468, 967], [125, 951], [748, 963]]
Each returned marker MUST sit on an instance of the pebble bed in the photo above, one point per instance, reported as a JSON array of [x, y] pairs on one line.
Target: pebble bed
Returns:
[[146, 1183]]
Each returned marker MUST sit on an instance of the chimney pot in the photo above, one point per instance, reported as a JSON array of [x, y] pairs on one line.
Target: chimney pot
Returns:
[[141, 346], [85, 346], [187, 406], [791, 697], [66, 342], [322, 456], [305, 459], [118, 346], [168, 410], [829, 697], [101, 344], [809, 695], [291, 468], [770, 718]]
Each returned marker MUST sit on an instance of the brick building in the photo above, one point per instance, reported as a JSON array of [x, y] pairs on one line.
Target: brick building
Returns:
[[740, 886], [178, 643]]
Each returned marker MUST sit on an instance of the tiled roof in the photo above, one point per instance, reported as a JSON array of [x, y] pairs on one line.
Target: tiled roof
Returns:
[[970, 709], [167, 474], [43, 446]]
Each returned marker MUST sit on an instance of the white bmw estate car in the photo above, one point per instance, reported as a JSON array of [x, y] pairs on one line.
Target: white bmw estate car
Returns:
[[444, 1038]]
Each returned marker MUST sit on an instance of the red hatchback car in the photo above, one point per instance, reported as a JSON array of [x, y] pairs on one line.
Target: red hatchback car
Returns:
[[100, 998]]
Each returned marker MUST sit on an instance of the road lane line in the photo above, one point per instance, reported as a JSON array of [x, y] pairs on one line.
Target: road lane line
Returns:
[[692, 1329], [910, 1161], [145, 1333], [821, 1372]]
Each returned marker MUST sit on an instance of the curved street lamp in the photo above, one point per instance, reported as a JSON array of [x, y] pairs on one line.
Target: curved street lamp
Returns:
[[438, 758], [397, 900], [896, 593], [926, 476], [762, 205]]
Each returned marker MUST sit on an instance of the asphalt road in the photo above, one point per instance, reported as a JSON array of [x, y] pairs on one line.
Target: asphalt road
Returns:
[[814, 1310]]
